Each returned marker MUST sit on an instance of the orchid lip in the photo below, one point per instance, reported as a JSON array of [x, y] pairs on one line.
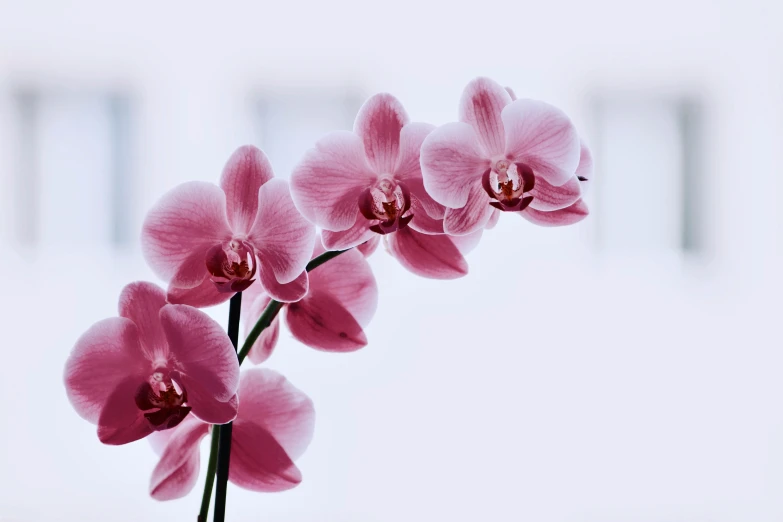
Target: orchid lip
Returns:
[[162, 399], [232, 265], [509, 187], [387, 203]]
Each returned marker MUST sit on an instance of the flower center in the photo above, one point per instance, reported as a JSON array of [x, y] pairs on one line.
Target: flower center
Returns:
[[162, 400], [232, 265], [387, 202], [507, 183]]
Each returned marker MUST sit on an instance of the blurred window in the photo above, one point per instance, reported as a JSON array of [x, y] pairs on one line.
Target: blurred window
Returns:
[[288, 124], [649, 179], [72, 182]]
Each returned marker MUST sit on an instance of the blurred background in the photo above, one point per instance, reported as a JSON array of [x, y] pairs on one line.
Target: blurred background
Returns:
[[626, 368]]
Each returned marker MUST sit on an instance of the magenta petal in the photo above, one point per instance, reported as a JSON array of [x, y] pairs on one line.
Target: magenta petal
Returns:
[[203, 354], [181, 227], [543, 137], [379, 123], [326, 184], [120, 420], [422, 221], [266, 342], [493, 219], [451, 160], [282, 237], [433, 256], [557, 218], [103, 356], [370, 246], [178, 468], [481, 104], [473, 216], [547, 197], [349, 279], [286, 293], [511, 93], [425, 201], [584, 171], [270, 401], [246, 170], [259, 462], [465, 244], [204, 295], [409, 160], [321, 322], [141, 303], [356, 235]]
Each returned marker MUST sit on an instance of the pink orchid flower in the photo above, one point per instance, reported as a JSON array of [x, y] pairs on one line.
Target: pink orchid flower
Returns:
[[342, 300], [210, 242], [504, 155], [273, 428], [360, 184], [147, 369]]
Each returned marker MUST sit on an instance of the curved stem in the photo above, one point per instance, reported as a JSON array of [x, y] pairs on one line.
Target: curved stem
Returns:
[[210, 480], [221, 435], [224, 436]]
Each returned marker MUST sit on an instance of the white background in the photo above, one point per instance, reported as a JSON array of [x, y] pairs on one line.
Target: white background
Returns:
[[564, 379]]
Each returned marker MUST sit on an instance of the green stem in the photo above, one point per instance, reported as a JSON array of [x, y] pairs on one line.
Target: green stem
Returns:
[[211, 467], [270, 312], [274, 307]]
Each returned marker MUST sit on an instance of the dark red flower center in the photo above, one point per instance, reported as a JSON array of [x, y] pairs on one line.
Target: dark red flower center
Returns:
[[386, 202], [232, 265], [508, 184], [162, 400]]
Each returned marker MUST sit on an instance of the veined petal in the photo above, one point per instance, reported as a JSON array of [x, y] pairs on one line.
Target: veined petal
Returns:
[[120, 420], [473, 216], [433, 208], [408, 165], [379, 123], [584, 171], [451, 160], [286, 293], [465, 244], [204, 295], [103, 356], [422, 221], [282, 237], [349, 279], [182, 226], [548, 197], [178, 468], [356, 235], [328, 181], [542, 136], [259, 462], [269, 400], [320, 321], [433, 256], [493, 219], [368, 247], [480, 106], [203, 354], [557, 218], [266, 342], [141, 303], [246, 170]]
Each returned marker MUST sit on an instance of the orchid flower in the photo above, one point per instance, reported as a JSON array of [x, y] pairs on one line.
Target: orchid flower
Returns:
[[356, 185], [342, 300], [210, 242], [504, 155], [273, 428], [152, 368]]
